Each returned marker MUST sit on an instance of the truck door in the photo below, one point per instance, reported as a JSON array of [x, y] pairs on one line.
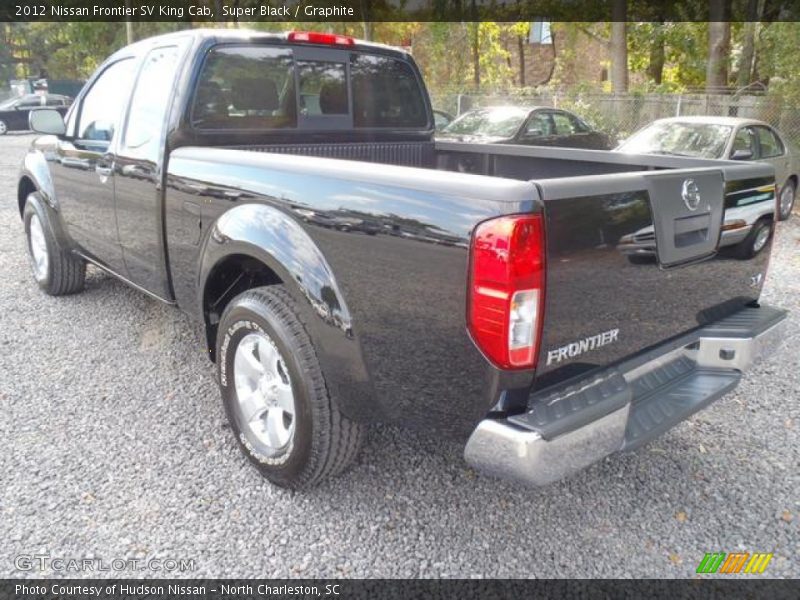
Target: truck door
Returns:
[[138, 169], [82, 172]]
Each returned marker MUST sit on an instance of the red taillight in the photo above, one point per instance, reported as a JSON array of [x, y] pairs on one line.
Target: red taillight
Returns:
[[315, 37], [506, 289]]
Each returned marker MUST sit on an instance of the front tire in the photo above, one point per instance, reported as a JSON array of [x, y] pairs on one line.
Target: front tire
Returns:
[[57, 271], [3, 127], [274, 392], [786, 204]]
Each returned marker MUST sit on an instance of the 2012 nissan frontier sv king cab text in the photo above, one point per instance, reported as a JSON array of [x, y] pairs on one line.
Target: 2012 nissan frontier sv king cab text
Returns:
[[547, 306]]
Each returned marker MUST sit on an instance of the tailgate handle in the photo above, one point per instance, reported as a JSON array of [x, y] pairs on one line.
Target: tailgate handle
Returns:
[[691, 230]]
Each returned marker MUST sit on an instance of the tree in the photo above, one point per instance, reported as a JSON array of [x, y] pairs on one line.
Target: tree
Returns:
[[619, 46], [719, 44], [755, 9]]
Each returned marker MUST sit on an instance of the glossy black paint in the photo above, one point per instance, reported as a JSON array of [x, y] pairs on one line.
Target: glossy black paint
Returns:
[[376, 255], [385, 306]]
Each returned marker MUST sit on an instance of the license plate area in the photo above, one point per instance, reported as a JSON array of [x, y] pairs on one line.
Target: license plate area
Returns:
[[687, 211]]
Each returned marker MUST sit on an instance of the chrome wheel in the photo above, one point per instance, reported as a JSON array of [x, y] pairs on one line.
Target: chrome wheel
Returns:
[[265, 408], [3, 127], [761, 239], [787, 199], [38, 248]]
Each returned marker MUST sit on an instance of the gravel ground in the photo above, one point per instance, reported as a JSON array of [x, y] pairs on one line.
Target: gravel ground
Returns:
[[113, 444]]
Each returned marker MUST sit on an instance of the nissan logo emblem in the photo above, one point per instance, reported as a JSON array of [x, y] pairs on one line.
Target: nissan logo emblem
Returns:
[[690, 194]]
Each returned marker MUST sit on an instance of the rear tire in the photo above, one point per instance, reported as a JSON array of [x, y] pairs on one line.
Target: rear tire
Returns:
[[57, 271], [786, 204], [275, 395]]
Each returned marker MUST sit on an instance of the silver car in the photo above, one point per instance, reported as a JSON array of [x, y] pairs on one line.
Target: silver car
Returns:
[[727, 138]]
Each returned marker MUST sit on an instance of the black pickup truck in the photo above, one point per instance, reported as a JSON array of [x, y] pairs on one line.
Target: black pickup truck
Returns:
[[286, 191]]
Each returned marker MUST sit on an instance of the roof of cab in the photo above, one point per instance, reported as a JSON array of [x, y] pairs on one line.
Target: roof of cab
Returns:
[[244, 35]]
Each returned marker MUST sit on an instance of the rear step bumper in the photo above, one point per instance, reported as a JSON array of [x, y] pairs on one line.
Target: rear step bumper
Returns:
[[625, 406]]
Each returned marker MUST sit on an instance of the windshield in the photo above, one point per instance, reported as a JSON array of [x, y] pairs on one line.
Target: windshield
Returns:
[[501, 122], [702, 140], [8, 103]]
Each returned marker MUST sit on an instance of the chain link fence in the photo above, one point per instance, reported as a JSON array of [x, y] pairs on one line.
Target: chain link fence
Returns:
[[622, 114]]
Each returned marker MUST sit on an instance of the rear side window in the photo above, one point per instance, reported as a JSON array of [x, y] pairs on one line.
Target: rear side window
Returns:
[[246, 87], [150, 100], [564, 124], [385, 93], [769, 142]]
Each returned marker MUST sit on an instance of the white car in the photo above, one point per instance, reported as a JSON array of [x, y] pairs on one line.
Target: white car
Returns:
[[724, 138]]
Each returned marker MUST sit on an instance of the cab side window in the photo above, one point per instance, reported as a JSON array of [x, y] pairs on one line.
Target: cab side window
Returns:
[[101, 108]]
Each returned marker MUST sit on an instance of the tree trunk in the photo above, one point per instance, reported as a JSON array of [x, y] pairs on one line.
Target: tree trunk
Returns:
[[368, 27], [521, 50], [719, 41], [476, 54], [619, 47], [745, 75], [655, 68]]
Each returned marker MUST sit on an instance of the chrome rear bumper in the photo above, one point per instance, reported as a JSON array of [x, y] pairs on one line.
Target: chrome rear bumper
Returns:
[[645, 396]]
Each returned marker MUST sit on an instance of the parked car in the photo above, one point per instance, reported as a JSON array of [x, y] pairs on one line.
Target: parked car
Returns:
[[441, 119], [537, 126], [495, 309], [728, 138], [14, 112]]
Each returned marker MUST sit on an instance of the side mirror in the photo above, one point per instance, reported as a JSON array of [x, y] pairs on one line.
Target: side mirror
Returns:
[[742, 154], [534, 133], [47, 120]]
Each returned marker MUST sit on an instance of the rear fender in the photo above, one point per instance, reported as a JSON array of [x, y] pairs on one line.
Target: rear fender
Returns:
[[268, 235]]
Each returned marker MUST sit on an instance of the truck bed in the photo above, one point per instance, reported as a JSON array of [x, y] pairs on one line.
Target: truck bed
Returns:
[[397, 238]]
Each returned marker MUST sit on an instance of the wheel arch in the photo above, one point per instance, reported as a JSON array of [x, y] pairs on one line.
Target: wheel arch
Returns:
[[253, 245]]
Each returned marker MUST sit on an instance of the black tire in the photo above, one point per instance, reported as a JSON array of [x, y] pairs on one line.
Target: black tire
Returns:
[[747, 249], [324, 442], [784, 214], [3, 127], [65, 272]]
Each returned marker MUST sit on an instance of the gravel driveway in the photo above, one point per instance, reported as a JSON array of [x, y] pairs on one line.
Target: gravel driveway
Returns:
[[114, 445]]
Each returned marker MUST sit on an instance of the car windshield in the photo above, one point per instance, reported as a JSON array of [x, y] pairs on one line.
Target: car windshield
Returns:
[[702, 140], [499, 122], [8, 103]]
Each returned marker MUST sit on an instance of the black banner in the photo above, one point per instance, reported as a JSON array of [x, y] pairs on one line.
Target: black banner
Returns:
[[382, 589], [218, 11]]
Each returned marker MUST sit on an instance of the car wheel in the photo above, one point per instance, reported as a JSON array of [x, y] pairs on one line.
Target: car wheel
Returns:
[[756, 240], [3, 127], [275, 395], [786, 203], [57, 271]]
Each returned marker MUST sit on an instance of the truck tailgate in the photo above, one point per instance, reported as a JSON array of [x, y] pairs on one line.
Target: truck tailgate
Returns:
[[640, 261]]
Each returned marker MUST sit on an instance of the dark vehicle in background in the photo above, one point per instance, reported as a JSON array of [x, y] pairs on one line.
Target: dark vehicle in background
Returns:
[[441, 119], [537, 126], [14, 111], [224, 171], [725, 138]]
